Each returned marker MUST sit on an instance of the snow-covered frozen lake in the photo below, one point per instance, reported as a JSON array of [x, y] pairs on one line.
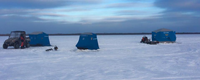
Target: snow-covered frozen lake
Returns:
[[120, 57]]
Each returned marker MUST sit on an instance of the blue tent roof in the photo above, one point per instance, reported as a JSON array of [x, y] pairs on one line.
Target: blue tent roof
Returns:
[[162, 30], [87, 41]]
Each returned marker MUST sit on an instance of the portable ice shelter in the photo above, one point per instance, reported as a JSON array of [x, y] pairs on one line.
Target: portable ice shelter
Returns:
[[164, 35], [39, 39], [87, 41]]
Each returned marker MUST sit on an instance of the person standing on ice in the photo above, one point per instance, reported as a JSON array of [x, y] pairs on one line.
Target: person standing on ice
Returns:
[[22, 41]]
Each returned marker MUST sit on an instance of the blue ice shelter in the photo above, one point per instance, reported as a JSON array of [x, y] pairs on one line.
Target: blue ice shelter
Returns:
[[39, 39], [88, 41], [164, 35]]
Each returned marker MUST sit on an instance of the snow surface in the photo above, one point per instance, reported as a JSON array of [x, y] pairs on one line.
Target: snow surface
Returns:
[[120, 57]]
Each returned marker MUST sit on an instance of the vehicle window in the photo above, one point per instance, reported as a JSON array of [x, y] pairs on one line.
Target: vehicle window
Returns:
[[15, 34]]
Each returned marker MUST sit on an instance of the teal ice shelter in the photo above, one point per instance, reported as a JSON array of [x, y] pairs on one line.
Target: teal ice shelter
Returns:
[[164, 35], [39, 39], [88, 41]]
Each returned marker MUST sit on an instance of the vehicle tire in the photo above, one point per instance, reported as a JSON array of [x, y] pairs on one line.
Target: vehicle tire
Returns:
[[27, 45], [5, 46], [16, 45]]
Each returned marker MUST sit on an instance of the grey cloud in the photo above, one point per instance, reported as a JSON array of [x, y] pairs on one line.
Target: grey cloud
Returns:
[[181, 23], [181, 15], [49, 14], [42, 3], [172, 18], [132, 12], [179, 5], [12, 11], [131, 4], [38, 12], [18, 18]]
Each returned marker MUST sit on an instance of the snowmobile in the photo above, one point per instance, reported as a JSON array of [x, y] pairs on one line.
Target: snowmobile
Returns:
[[147, 41], [14, 40], [55, 48]]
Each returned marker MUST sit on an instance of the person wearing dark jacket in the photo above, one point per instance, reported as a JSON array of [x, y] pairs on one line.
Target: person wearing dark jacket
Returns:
[[22, 41]]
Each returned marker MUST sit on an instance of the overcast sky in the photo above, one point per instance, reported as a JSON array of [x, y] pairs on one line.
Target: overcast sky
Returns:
[[99, 16]]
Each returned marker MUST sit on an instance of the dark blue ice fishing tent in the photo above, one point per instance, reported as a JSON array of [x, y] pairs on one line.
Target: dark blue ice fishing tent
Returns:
[[87, 41], [164, 35], [39, 39]]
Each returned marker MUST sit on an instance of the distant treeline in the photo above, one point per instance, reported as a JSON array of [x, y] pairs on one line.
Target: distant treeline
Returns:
[[125, 33], [106, 34], [60, 34]]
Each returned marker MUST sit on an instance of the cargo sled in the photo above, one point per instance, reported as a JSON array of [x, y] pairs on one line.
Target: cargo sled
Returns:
[[147, 41]]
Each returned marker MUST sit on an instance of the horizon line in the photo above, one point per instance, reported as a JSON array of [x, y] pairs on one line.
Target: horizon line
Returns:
[[57, 34]]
